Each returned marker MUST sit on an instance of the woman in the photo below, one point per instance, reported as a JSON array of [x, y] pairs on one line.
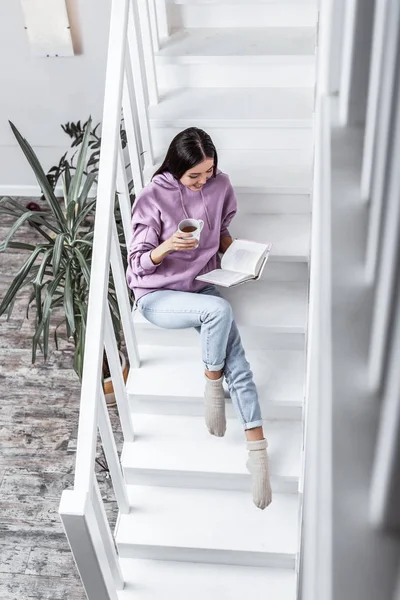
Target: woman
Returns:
[[163, 266]]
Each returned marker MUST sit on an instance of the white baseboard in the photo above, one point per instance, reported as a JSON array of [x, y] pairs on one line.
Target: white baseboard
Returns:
[[25, 191], [33, 191]]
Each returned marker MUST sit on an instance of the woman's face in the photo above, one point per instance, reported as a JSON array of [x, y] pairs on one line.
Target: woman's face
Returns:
[[197, 177]]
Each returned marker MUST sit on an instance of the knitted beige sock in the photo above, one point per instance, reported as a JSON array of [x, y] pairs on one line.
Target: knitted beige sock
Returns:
[[257, 464], [214, 403]]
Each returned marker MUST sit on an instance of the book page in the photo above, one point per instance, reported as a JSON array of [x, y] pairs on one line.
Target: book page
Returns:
[[224, 278], [244, 257]]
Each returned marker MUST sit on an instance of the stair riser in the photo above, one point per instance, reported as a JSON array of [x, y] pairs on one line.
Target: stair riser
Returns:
[[286, 411], [269, 15], [247, 138], [199, 555], [252, 338], [274, 203], [276, 75], [213, 481]]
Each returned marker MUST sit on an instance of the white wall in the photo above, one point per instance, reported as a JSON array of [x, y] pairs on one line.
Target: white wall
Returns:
[[39, 94]]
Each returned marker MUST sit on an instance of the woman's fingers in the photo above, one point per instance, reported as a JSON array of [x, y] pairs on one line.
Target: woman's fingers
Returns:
[[182, 236]]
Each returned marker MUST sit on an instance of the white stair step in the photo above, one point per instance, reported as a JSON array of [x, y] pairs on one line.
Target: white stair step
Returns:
[[169, 580], [212, 526], [239, 2], [284, 14], [275, 57], [264, 171], [242, 136], [276, 45], [289, 234], [178, 451], [171, 381], [235, 107], [257, 204], [283, 171]]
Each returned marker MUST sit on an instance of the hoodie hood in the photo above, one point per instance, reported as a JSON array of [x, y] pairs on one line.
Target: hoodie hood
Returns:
[[167, 181]]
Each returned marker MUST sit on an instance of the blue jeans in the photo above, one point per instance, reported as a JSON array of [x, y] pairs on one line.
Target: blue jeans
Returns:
[[222, 348]]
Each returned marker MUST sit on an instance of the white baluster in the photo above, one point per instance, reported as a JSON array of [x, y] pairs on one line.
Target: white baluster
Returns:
[[132, 128], [123, 198], [106, 536], [148, 51], [136, 78], [349, 25], [374, 235], [117, 379], [162, 19], [111, 454], [390, 244], [123, 300], [100, 576], [384, 501], [154, 25], [373, 97]]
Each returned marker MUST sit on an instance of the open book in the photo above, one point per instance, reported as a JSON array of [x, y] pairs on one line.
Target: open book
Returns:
[[243, 261]]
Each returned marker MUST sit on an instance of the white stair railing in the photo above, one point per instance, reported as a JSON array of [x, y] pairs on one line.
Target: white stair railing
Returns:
[[81, 509], [315, 563]]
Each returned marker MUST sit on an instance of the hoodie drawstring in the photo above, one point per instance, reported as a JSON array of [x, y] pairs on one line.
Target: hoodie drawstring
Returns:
[[205, 209], [183, 206], [204, 206]]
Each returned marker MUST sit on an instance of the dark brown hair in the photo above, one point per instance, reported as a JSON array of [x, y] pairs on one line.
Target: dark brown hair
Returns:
[[189, 148]]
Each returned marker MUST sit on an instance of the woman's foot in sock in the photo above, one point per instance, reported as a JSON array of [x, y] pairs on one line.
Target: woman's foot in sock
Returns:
[[257, 465], [214, 406]]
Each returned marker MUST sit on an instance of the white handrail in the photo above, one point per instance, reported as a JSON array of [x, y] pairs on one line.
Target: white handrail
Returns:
[[87, 432], [315, 568]]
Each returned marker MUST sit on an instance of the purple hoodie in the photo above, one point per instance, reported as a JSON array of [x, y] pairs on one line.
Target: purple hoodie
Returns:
[[156, 214]]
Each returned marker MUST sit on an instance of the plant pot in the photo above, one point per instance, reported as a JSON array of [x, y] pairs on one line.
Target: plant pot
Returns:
[[108, 384]]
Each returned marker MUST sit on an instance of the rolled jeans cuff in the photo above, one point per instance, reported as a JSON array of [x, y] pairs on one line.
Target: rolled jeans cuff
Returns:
[[214, 367], [253, 425]]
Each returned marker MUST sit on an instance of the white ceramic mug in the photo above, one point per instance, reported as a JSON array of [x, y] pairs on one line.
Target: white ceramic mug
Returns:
[[198, 224]]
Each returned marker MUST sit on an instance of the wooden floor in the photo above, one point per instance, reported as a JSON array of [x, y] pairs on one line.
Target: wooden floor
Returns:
[[38, 429]]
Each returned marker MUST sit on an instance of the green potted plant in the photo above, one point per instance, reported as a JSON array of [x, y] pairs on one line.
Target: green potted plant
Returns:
[[58, 266]]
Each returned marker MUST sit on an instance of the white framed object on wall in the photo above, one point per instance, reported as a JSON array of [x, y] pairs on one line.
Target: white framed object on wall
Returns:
[[47, 26]]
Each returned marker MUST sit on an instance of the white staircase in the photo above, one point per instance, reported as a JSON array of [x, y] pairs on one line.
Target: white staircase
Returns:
[[244, 72]]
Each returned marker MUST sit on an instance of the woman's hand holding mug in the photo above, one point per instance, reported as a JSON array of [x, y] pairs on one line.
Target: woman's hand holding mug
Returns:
[[186, 238], [181, 241]]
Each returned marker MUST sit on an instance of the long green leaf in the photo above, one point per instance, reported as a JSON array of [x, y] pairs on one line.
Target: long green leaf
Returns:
[[7, 200], [45, 186], [47, 304], [16, 225], [76, 181], [58, 252], [35, 219], [38, 282], [83, 213], [55, 332], [69, 300], [36, 339], [87, 186], [31, 298], [83, 264], [79, 351], [19, 280], [46, 331], [43, 326], [66, 181], [21, 246]]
